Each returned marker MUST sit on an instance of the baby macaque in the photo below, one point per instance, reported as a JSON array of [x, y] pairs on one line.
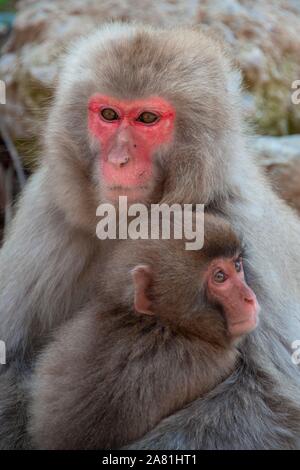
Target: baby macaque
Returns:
[[162, 332]]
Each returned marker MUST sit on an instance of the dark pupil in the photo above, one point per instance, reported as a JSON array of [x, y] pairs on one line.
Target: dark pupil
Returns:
[[220, 276], [147, 118], [109, 114]]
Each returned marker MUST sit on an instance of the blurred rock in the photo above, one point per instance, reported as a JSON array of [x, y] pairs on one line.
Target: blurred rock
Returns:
[[265, 39], [281, 158]]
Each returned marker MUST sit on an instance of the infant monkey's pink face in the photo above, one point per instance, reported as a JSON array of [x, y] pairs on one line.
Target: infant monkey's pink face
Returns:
[[227, 286]]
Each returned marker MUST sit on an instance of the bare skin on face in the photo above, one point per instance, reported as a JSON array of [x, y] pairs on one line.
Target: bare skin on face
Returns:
[[227, 285], [129, 133]]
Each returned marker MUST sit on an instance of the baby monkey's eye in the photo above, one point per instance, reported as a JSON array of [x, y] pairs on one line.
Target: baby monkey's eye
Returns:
[[109, 114], [220, 276], [147, 117], [238, 265]]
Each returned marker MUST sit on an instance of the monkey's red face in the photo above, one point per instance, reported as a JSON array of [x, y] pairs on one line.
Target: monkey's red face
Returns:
[[129, 134], [227, 286]]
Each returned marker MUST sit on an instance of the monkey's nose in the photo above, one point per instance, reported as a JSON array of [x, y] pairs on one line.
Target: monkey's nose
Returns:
[[124, 161], [248, 295], [251, 303], [118, 160]]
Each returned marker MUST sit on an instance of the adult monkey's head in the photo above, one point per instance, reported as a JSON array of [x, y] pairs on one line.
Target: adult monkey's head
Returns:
[[146, 113]]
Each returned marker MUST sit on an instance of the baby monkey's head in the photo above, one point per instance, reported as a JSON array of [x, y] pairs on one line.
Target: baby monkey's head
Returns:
[[203, 292], [197, 292]]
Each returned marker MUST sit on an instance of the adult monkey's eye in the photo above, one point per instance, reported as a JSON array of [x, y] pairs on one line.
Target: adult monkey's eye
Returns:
[[220, 276], [109, 114], [147, 118]]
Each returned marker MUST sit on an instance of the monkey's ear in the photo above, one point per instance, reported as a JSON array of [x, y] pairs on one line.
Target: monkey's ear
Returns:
[[142, 277]]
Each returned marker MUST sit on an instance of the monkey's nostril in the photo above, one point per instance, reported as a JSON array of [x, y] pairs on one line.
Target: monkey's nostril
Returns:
[[124, 162]]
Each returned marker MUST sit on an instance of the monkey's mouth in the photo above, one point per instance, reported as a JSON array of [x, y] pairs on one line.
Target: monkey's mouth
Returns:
[[133, 193], [121, 188]]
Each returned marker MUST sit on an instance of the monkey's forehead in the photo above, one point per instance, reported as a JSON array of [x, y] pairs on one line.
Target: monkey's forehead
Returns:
[[130, 51]]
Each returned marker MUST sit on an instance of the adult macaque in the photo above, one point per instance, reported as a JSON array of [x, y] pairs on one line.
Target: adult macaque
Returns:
[[129, 79], [139, 353]]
